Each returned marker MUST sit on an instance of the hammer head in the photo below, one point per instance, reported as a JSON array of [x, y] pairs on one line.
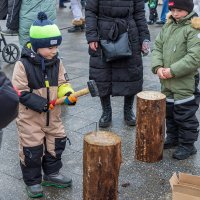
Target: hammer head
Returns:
[[93, 88]]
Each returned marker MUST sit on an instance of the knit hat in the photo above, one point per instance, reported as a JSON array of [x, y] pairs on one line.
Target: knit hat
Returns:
[[44, 33], [187, 5]]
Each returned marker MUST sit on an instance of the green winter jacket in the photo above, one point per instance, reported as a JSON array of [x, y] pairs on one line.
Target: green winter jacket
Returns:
[[28, 14], [178, 47]]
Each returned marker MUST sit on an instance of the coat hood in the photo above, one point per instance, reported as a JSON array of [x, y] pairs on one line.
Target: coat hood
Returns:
[[192, 18]]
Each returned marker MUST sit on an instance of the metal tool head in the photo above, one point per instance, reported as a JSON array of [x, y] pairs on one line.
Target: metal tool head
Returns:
[[92, 86]]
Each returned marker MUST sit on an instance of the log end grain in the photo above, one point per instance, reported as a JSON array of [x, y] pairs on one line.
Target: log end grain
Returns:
[[102, 138], [151, 95]]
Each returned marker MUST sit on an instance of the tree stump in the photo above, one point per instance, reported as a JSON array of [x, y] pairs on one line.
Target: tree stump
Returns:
[[150, 126], [101, 164]]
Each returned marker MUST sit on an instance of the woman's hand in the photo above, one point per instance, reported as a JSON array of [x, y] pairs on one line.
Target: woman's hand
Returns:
[[93, 45], [146, 47]]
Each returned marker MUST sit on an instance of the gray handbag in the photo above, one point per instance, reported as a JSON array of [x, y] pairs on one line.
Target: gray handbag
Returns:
[[117, 46]]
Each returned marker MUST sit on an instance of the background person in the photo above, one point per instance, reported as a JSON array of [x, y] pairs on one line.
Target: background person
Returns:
[[78, 21], [197, 6], [164, 12], [28, 12], [9, 9]]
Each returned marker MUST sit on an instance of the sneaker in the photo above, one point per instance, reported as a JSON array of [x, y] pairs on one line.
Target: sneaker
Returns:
[[183, 152], [83, 20], [170, 143], [56, 180], [9, 32], [77, 22], [34, 191], [75, 29], [160, 23]]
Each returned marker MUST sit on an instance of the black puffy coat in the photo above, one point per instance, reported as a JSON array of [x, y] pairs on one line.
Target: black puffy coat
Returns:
[[9, 101], [122, 77]]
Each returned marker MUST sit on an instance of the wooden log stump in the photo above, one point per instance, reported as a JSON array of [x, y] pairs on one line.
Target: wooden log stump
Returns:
[[101, 164], [150, 126]]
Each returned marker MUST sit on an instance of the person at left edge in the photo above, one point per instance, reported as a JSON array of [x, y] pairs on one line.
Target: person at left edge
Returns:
[[9, 102]]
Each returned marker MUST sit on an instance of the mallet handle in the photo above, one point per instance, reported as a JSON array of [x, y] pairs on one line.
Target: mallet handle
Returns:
[[75, 94], [81, 92]]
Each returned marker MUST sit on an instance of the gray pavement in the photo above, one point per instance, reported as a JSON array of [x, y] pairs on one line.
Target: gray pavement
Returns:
[[143, 181]]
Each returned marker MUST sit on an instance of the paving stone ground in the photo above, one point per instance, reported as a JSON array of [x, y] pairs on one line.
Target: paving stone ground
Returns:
[[145, 181]]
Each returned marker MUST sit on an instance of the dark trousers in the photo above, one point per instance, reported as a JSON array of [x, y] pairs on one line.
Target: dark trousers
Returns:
[[181, 121], [11, 9], [35, 161]]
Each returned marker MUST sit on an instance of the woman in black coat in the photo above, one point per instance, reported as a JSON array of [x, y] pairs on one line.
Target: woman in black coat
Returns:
[[123, 77]]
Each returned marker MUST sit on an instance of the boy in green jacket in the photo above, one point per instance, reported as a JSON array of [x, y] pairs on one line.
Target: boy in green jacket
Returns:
[[176, 58]]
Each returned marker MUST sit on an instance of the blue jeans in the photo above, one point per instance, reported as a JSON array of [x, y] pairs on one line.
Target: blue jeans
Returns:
[[164, 11]]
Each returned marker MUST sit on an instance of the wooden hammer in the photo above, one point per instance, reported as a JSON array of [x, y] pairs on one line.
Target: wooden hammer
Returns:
[[92, 89]]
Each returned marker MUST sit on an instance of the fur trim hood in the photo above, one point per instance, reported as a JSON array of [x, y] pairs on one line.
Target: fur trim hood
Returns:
[[191, 18]]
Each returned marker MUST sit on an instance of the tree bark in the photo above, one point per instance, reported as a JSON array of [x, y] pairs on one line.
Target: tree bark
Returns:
[[101, 164], [150, 126]]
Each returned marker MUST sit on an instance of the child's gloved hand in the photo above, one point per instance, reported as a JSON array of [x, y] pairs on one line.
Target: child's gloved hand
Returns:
[[65, 90], [52, 104], [70, 100]]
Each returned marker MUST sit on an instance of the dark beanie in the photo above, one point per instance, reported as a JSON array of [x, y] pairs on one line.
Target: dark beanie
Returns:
[[187, 5], [44, 33]]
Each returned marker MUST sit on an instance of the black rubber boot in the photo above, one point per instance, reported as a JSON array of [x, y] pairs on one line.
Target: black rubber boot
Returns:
[[34, 191], [184, 151], [56, 180], [106, 117], [129, 116]]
